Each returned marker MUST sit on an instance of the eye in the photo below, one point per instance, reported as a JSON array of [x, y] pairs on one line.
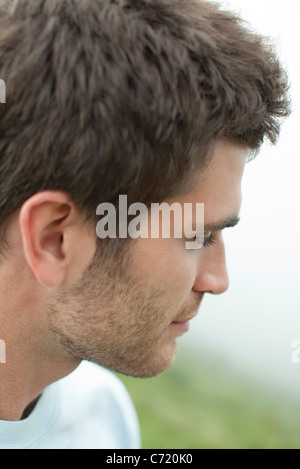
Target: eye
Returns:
[[210, 240]]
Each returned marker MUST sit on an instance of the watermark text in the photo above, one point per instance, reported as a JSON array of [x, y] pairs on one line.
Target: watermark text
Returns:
[[296, 352], [2, 92], [2, 351], [165, 220]]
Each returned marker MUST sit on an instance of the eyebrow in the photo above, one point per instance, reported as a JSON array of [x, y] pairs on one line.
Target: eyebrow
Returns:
[[219, 226]]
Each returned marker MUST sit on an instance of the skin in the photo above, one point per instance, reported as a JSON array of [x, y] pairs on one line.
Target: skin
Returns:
[[60, 305]]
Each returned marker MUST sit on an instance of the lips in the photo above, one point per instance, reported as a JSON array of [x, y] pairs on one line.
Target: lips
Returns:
[[180, 327], [186, 318], [188, 313], [181, 321]]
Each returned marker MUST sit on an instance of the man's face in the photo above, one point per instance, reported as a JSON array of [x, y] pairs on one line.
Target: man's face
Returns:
[[127, 319]]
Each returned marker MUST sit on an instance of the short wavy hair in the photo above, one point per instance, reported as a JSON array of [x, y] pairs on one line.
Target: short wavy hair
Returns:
[[109, 97]]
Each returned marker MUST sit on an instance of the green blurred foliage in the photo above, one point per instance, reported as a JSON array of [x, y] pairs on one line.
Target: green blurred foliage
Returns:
[[198, 404]]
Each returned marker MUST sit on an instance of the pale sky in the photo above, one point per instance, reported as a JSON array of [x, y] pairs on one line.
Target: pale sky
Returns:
[[251, 327]]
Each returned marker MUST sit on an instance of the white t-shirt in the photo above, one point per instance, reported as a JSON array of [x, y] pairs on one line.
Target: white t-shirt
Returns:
[[89, 409]]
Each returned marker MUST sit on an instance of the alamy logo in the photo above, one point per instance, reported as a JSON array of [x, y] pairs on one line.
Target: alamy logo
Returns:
[[2, 92], [2, 351], [158, 221], [296, 352]]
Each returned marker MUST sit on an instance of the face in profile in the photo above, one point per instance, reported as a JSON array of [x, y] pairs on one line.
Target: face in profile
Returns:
[[126, 315]]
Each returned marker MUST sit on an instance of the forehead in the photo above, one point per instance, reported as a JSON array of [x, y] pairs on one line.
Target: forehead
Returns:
[[219, 185]]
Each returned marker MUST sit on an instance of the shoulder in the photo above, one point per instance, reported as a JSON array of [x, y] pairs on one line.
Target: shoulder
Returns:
[[94, 393], [89, 376]]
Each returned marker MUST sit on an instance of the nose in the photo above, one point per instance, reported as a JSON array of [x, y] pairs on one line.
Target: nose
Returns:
[[212, 275]]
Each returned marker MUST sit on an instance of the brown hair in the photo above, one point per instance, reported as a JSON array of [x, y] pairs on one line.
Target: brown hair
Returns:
[[109, 97]]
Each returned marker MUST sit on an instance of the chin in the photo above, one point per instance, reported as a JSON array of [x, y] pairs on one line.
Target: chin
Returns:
[[152, 366]]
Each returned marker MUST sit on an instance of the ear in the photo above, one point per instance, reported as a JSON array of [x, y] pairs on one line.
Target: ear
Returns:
[[58, 244]]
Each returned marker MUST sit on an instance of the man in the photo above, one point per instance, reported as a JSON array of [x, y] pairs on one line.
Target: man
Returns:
[[161, 100]]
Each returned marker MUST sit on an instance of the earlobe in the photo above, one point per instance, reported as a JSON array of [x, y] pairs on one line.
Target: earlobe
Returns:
[[42, 221]]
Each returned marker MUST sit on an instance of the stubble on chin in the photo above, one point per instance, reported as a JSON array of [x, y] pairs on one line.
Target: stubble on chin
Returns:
[[110, 319]]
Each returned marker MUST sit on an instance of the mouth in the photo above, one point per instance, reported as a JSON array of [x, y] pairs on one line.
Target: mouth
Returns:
[[183, 320], [182, 325]]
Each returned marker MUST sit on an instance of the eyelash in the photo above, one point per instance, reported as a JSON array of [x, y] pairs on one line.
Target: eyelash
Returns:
[[212, 239], [207, 242]]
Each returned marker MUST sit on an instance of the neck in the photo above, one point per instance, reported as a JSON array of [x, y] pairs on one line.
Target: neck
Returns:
[[28, 370], [33, 359]]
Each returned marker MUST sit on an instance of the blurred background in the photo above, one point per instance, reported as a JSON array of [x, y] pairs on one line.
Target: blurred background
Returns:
[[234, 384]]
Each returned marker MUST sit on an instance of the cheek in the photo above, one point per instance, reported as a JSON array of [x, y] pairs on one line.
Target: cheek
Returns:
[[177, 275], [169, 267]]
